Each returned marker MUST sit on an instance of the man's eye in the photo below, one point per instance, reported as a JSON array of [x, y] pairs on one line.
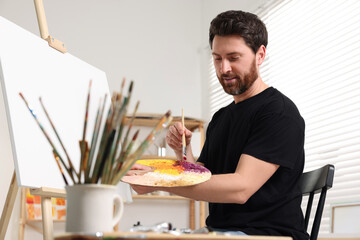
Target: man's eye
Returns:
[[234, 58], [217, 59]]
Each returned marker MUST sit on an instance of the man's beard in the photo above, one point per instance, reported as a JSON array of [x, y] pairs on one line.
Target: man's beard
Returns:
[[242, 84]]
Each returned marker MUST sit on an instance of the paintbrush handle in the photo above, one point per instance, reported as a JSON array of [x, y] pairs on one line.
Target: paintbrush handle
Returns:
[[71, 166], [103, 163], [129, 127], [59, 166], [183, 134], [45, 133]]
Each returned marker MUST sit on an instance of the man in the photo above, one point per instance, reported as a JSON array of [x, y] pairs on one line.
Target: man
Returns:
[[254, 147]]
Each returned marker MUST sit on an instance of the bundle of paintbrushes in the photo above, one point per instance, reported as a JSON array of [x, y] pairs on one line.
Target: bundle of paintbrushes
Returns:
[[110, 154]]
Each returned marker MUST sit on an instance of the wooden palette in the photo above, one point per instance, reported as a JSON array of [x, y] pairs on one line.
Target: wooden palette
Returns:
[[168, 173]]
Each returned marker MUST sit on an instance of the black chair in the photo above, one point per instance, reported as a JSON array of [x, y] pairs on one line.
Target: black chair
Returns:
[[316, 181]]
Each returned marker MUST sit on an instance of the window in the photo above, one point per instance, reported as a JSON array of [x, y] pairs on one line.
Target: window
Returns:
[[313, 57], [218, 98]]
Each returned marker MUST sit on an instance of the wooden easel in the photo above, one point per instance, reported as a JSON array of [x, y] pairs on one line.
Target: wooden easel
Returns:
[[44, 32], [44, 193], [8, 206]]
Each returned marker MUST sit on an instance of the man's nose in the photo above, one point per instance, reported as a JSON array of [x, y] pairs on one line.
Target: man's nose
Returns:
[[225, 66]]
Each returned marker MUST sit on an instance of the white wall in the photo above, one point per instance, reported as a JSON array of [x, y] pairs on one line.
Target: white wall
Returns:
[[161, 44]]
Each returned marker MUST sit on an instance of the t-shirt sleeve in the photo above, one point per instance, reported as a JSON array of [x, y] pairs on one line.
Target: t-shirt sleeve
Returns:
[[203, 158], [277, 139]]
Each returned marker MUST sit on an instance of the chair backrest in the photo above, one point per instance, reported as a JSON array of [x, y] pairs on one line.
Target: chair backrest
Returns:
[[316, 181]]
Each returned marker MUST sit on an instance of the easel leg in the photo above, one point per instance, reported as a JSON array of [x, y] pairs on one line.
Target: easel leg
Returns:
[[202, 214], [192, 214], [47, 220], [8, 207], [22, 213]]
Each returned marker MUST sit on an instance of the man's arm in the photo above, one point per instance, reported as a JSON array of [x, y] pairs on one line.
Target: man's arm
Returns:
[[251, 173]]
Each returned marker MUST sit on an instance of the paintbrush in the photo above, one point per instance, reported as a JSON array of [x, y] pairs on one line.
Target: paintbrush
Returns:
[[61, 170], [183, 135], [123, 156], [94, 139], [102, 164], [104, 140], [103, 144], [71, 166], [117, 128], [125, 153], [45, 133], [111, 161], [83, 143], [117, 125], [129, 127], [104, 156], [122, 118], [93, 143], [85, 157], [125, 150], [86, 112], [122, 86]]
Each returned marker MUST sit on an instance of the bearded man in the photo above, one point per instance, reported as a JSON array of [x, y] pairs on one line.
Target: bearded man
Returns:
[[254, 147]]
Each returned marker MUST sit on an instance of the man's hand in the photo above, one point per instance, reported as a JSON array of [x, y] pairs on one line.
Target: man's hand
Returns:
[[143, 189], [174, 137], [138, 166], [138, 169]]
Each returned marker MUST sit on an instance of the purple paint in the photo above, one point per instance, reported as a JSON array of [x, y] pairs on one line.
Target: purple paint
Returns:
[[191, 167]]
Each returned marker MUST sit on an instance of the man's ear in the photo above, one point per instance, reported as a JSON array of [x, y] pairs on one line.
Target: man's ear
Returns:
[[260, 55]]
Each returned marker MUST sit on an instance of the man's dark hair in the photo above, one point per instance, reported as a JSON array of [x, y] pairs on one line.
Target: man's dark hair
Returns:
[[244, 24]]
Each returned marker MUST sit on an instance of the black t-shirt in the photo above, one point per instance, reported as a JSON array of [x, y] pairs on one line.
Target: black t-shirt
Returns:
[[269, 127]]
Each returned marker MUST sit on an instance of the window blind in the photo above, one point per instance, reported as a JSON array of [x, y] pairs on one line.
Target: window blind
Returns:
[[313, 57], [217, 97]]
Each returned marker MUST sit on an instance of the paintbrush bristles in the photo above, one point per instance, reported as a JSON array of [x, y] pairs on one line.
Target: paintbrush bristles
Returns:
[[122, 85], [83, 143], [131, 86]]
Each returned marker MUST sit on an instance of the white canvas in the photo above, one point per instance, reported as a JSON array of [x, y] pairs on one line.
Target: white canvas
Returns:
[[30, 66]]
